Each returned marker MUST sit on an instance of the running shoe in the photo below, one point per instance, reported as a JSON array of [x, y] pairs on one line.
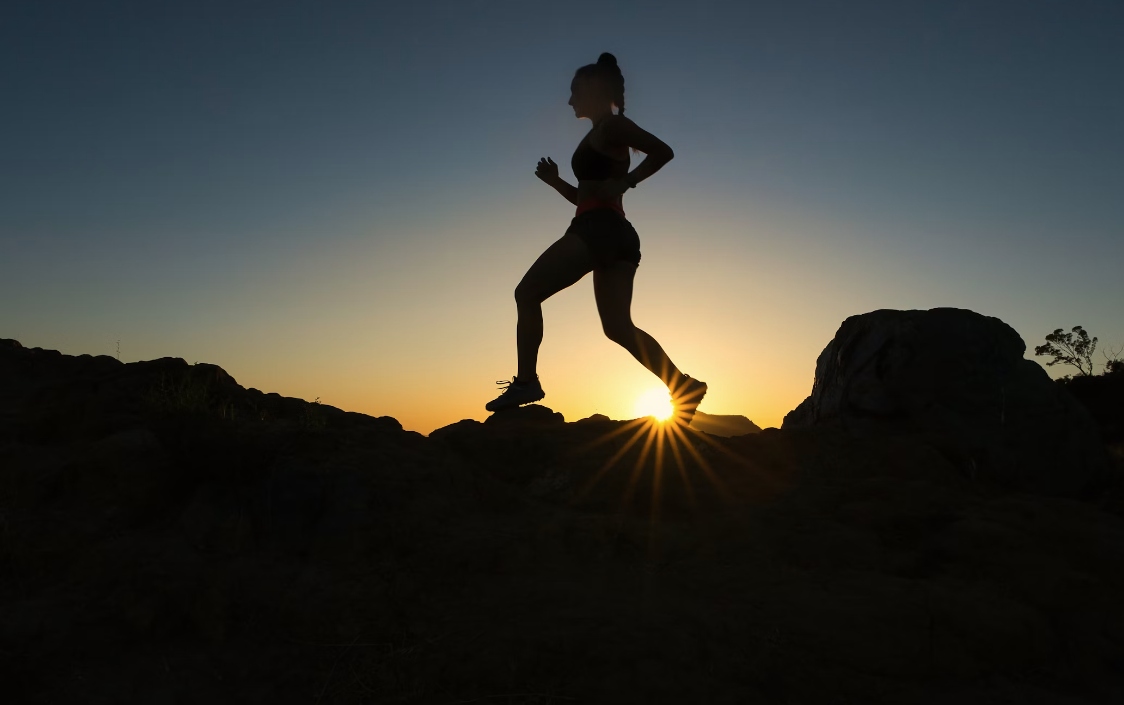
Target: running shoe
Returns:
[[515, 394], [686, 397]]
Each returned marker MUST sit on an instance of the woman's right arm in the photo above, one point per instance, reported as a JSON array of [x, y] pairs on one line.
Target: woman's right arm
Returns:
[[570, 193], [547, 171]]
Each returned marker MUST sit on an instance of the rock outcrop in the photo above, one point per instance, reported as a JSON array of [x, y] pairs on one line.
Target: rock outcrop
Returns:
[[1101, 395], [959, 379], [169, 536]]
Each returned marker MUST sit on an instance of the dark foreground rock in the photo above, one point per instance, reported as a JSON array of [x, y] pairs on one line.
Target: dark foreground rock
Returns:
[[1101, 395], [170, 537], [959, 378]]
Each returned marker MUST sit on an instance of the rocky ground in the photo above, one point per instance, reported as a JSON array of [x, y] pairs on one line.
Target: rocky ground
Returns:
[[167, 536]]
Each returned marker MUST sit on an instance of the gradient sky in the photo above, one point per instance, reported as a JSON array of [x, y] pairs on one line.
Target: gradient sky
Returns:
[[337, 200]]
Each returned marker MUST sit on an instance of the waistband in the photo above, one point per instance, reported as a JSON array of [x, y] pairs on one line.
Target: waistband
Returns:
[[591, 203]]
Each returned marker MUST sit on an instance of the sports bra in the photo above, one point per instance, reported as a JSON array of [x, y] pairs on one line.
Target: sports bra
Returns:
[[589, 164]]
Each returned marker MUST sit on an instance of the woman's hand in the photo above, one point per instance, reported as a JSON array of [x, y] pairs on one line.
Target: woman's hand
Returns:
[[547, 170]]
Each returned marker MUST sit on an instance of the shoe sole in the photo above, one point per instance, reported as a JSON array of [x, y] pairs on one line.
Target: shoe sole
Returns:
[[503, 407]]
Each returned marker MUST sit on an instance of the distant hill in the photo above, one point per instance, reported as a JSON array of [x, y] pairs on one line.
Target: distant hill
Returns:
[[725, 425]]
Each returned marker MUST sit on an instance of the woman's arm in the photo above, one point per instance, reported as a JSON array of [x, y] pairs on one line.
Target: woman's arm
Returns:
[[570, 193], [623, 131], [651, 164]]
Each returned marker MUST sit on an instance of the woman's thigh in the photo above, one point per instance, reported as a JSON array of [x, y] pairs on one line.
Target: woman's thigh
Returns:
[[612, 288], [561, 265]]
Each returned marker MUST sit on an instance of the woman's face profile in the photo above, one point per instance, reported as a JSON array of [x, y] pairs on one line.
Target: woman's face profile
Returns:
[[583, 95]]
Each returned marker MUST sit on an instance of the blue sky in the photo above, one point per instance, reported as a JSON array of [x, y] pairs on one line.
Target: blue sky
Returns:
[[337, 199]]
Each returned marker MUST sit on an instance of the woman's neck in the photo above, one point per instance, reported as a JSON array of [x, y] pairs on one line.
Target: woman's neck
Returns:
[[601, 118]]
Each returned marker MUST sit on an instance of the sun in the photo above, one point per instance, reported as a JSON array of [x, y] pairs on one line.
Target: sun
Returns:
[[655, 402]]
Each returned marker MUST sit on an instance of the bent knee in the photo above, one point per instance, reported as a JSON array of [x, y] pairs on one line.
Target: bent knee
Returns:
[[525, 294], [620, 332]]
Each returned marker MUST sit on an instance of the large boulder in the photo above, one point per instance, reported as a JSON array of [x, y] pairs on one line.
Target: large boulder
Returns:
[[959, 379]]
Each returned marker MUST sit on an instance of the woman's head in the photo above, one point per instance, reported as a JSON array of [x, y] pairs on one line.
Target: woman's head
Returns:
[[596, 87]]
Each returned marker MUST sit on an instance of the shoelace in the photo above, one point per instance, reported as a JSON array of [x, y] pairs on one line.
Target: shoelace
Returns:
[[507, 384]]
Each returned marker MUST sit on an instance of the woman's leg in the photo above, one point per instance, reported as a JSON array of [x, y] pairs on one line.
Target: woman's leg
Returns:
[[562, 264], [612, 287]]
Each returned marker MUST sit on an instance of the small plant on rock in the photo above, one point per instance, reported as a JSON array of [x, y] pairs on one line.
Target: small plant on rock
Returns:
[[1113, 365], [179, 394], [313, 416]]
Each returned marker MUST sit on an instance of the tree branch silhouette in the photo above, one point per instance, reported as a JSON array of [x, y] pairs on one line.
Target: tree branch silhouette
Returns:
[[1067, 350]]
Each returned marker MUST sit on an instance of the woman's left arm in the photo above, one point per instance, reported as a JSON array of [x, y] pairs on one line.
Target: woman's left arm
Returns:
[[621, 130]]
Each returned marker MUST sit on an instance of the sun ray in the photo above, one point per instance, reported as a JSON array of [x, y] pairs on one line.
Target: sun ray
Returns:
[[705, 438], [674, 445], [630, 488], [657, 478], [682, 440], [723, 490], [765, 480], [612, 460], [606, 437]]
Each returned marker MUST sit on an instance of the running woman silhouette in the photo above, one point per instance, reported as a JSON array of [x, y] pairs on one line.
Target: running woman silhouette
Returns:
[[600, 239]]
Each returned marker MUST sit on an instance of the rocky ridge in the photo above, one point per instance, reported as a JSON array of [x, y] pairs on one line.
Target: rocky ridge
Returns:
[[170, 536]]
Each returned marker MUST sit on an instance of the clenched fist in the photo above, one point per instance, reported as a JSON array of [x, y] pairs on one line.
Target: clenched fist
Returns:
[[547, 170]]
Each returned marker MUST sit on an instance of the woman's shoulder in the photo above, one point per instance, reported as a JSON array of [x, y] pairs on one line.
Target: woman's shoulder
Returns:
[[616, 127]]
